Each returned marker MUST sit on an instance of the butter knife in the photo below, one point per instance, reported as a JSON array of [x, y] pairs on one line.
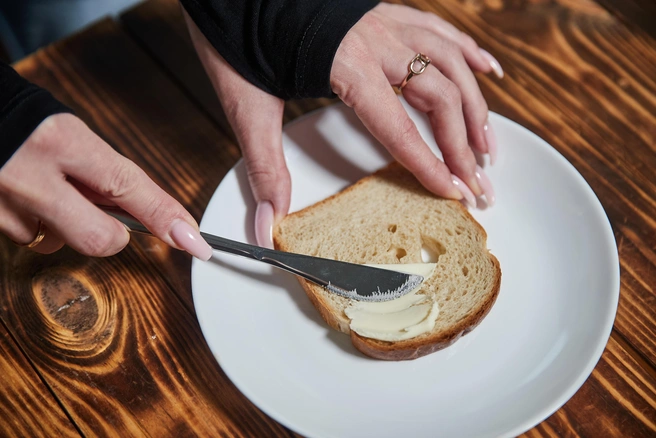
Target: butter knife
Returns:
[[357, 282]]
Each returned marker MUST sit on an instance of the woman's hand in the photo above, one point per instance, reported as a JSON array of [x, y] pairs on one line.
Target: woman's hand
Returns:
[[57, 176], [374, 56], [376, 52]]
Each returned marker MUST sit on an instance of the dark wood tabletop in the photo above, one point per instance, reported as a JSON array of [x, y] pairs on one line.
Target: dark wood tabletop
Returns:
[[112, 346]]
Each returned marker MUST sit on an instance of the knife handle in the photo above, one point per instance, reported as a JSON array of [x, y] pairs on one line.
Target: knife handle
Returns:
[[279, 259], [216, 242]]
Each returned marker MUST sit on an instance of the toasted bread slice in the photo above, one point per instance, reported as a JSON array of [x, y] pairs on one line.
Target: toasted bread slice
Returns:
[[387, 218]]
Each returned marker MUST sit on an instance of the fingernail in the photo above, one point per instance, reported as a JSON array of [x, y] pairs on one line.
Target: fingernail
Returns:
[[189, 239], [496, 67], [464, 190], [491, 141], [264, 224], [486, 185]]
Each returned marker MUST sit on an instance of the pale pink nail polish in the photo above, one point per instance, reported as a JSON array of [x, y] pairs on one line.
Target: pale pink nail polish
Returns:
[[486, 185], [264, 224], [189, 239], [465, 190], [491, 141], [496, 67]]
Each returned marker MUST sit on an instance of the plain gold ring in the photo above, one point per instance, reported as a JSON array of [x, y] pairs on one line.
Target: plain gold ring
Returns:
[[422, 61], [39, 237]]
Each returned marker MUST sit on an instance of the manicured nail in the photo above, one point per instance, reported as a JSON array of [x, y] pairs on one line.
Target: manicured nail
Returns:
[[486, 185], [464, 190], [491, 141], [496, 67], [264, 224], [189, 239]]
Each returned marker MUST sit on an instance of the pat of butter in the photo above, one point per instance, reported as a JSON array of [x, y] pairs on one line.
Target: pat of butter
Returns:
[[399, 319]]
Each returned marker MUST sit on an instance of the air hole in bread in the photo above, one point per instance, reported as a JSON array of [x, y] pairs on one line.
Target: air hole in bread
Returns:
[[459, 230], [392, 228], [465, 271], [449, 232], [400, 253], [431, 249]]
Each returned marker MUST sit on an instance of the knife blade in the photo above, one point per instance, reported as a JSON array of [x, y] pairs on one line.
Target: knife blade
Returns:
[[350, 280]]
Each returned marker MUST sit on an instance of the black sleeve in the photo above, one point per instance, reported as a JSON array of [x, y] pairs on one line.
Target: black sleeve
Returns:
[[285, 47], [22, 107]]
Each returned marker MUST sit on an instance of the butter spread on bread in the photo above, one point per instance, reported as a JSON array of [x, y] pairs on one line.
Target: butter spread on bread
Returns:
[[402, 318], [389, 218]]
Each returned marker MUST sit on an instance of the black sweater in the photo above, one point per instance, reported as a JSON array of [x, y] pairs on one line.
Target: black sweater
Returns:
[[285, 47], [22, 107]]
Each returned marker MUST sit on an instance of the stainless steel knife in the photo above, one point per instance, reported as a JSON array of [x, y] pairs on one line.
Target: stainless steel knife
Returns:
[[358, 282]]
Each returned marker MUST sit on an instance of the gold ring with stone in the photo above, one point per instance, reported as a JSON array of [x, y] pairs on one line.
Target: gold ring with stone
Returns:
[[419, 60]]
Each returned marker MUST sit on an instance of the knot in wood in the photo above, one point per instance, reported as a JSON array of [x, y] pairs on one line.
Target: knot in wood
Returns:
[[67, 301]]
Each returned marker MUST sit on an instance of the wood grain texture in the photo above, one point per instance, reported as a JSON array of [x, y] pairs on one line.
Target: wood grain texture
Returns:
[[117, 338], [634, 13], [120, 351], [619, 399], [27, 407]]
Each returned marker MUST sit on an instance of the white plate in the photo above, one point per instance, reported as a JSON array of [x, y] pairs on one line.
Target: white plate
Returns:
[[540, 342]]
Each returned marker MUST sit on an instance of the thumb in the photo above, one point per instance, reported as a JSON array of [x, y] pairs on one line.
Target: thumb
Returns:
[[259, 131], [256, 119]]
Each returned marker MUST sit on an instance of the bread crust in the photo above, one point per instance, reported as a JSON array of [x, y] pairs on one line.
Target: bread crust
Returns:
[[414, 348], [410, 348]]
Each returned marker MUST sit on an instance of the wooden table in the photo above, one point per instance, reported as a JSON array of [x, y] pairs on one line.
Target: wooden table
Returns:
[[112, 346]]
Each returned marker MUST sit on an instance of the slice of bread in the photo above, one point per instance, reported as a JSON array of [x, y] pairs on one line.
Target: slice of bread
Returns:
[[387, 218]]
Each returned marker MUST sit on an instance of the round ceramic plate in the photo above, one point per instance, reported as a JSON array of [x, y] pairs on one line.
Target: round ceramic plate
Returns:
[[539, 343]]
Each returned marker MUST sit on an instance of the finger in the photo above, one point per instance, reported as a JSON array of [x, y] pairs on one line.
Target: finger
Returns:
[[432, 93], [70, 217], [256, 119], [265, 164], [450, 62], [23, 229], [368, 91], [51, 241], [120, 181], [92, 196], [441, 100], [477, 58]]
